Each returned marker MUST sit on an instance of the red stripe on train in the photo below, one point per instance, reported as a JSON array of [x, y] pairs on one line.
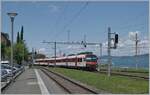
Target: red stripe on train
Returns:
[[92, 63]]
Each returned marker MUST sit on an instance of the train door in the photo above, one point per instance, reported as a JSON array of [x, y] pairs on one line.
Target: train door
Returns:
[[76, 60]]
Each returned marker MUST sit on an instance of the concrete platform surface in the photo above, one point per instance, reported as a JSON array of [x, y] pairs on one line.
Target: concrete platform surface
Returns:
[[33, 81]]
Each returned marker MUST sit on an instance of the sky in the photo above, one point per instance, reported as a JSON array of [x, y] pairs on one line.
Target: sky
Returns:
[[51, 21]]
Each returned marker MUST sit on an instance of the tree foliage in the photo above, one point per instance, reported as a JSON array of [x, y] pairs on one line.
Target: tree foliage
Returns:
[[3, 50], [20, 52], [4, 45], [21, 35], [38, 56], [8, 52], [18, 37]]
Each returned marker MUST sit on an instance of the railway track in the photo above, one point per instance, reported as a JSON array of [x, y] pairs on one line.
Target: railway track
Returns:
[[129, 71], [68, 85], [126, 74]]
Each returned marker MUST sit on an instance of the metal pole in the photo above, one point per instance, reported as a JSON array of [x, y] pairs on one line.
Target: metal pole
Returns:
[[55, 52], [32, 56], [84, 38], [23, 58], [68, 36], [136, 43], [12, 32], [109, 51], [12, 16], [100, 49], [23, 53], [99, 64]]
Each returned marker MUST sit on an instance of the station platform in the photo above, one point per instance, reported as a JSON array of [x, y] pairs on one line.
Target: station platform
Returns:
[[33, 81]]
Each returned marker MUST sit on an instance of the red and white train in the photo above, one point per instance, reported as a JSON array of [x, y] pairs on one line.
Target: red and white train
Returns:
[[88, 61]]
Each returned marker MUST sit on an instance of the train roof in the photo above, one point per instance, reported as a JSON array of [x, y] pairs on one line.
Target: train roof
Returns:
[[73, 56]]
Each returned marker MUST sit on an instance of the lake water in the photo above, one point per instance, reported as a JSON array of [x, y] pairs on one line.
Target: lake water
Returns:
[[128, 61]]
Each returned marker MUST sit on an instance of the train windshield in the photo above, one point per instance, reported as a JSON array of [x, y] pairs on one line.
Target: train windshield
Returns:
[[91, 58]]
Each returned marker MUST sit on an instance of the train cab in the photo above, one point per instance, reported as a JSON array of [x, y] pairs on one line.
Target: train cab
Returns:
[[91, 61]]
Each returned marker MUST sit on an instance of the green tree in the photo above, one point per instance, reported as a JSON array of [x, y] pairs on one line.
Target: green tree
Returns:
[[21, 35], [18, 37], [20, 48], [3, 51], [20, 52], [8, 52]]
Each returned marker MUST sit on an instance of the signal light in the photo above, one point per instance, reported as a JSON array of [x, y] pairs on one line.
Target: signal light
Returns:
[[116, 38]]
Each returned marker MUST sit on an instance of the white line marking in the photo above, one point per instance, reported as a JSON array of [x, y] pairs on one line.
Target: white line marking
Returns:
[[42, 86]]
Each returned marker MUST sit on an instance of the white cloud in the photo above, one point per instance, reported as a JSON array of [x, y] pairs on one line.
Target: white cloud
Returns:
[[69, 47], [127, 46], [132, 35], [42, 50], [53, 8]]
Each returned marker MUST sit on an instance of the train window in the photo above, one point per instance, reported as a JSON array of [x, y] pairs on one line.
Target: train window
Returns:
[[69, 60], [72, 60], [66, 60], [79, 59], [91, 59]]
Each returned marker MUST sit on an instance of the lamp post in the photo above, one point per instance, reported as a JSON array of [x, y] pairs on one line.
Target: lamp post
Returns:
[[23, 52], [12, 16]]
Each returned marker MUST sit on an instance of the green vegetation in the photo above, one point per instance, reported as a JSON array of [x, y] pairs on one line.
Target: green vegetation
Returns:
[[20, 52], [3, 50], [5, 43], [20, 49], [139, 70], [113, 84]]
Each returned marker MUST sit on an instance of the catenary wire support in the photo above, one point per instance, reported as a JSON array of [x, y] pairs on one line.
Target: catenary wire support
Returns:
[[115, 41], [71, 43]]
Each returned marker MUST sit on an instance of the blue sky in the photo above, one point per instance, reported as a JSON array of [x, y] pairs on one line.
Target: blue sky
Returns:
[[47, 20]]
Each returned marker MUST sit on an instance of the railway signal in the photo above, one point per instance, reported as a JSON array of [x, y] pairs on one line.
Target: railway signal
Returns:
[[110, 46], [84, 43], [116, 41]]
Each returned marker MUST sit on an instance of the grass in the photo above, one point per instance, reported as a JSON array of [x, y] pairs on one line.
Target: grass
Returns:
[[113, 84], [139, 70]]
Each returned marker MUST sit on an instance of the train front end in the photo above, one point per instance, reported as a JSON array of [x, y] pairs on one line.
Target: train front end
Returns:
[[91, 62]]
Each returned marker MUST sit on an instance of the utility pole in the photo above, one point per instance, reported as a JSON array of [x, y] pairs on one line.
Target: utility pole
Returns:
[[99, 64], [23, 53], [136, 49], [84, 38], [55, 52], [32, 56], [109, 51], [68, 36], [115, 40], [84, 41], [100, 45]]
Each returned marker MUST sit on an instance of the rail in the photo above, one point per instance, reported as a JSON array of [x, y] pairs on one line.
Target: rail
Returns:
[[67, 84], [128, 74]]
